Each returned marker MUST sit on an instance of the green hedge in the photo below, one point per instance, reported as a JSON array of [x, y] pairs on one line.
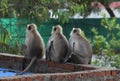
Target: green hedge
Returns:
[[16, 27]]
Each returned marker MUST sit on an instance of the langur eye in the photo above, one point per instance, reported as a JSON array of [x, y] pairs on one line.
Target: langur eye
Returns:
[[29, 27], [74, 31], [54, 29]]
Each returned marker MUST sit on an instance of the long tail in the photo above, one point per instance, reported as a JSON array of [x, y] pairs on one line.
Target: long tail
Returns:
[[69, 55], [32, 61], [48, 51]]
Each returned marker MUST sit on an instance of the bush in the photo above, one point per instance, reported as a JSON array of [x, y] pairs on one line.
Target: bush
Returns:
[[5, 47], [107, 47]]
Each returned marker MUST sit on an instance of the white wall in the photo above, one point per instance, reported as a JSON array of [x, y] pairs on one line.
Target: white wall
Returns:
[[94, 15]]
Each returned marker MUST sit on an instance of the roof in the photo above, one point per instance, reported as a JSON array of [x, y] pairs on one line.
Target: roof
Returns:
[[115, 4], [111, 5]]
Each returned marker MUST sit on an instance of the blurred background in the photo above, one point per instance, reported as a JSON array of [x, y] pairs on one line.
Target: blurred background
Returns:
[[98, 19]]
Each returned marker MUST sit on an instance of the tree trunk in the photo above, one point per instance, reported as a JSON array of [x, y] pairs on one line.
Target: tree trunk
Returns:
[[109, 10], [111, 13]]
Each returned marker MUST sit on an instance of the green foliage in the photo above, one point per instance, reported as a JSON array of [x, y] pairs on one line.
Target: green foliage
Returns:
[[116, 61], [38, 10], [4, 43], [107, 47], [3, 35], [63, 16]]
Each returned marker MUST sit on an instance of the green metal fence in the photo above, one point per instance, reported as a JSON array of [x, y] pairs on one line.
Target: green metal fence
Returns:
[[16, 27]]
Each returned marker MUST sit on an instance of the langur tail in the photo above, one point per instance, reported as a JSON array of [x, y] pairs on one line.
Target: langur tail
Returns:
[[32, 61]]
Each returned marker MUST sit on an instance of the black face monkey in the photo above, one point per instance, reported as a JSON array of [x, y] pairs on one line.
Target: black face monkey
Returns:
[[57, 46], [80, 49], [34, 45]]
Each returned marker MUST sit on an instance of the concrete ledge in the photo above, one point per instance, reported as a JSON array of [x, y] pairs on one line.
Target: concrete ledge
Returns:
[[54, 71]]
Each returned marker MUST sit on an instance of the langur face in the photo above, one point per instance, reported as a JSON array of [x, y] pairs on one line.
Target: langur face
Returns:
[[57, 29], [75, 31], [31, 27]]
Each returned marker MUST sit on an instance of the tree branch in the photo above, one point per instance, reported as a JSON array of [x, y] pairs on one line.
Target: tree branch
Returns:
[[109, 10]]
